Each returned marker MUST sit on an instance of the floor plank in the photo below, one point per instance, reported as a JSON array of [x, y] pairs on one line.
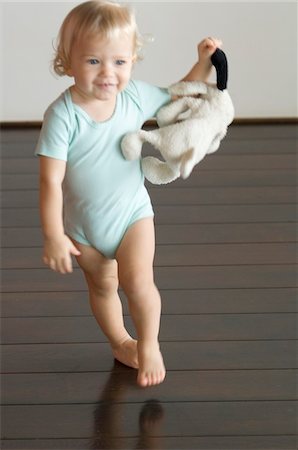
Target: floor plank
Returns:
[[168, 443], [183, 196], [90, 357], [85, 387], [228, 146], [189, 277], [212, 178], [218, 418], [167, 215], [177, 255], [212, 162], [227, 327], [180, 234], [188, 301]]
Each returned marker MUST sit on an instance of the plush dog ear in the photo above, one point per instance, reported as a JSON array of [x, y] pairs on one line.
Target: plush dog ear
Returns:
[[220, 62], [184, 88]]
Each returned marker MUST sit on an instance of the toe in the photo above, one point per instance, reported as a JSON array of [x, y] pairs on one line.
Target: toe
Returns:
[[143, 380]]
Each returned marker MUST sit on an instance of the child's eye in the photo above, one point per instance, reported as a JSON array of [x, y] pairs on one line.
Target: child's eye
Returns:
[[93, 61], [120, 62]]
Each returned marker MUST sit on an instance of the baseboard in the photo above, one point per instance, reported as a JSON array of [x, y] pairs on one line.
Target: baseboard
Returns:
[[20, 124], [253, 121], [152, 123], [266, 121]]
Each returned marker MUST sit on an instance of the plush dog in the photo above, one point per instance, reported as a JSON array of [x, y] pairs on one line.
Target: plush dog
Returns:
[[190, 127]]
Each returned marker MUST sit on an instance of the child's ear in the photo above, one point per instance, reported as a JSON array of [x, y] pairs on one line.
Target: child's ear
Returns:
[[69, 72]]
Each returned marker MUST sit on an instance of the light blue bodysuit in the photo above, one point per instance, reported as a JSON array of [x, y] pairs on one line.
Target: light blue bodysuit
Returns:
[[103, 193]]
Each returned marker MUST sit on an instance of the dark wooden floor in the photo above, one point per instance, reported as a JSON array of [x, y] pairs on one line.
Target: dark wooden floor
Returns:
[[226, 265]]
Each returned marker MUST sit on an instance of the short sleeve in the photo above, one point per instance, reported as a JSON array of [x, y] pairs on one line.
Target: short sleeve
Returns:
[[150, 98], [55, 134]]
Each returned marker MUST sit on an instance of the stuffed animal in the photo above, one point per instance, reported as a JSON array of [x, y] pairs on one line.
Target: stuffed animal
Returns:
[[189, 127]]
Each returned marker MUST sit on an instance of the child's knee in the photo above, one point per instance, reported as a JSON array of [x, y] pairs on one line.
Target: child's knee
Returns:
[[136, 283], [103, 286]]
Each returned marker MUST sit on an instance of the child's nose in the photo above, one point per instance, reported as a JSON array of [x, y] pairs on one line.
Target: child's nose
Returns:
[[106, 69]]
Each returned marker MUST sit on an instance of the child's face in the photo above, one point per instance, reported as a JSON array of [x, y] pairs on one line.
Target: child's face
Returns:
[[101, 68]]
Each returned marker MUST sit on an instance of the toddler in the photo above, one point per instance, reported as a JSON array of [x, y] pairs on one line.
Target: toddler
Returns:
[[93, 203]]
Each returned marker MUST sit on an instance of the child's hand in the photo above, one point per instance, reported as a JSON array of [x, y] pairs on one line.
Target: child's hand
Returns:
[[57, 254], [202, 69], [207, 47]]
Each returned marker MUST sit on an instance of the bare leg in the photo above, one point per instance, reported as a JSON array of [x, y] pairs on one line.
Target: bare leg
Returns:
[[102, 278], [135, 260]]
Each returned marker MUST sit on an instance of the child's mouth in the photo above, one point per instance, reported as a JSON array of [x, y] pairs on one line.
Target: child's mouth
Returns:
[[106, 86]]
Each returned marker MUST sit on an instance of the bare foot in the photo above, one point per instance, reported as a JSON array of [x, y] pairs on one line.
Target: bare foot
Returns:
[[127, 353], [151, 367]]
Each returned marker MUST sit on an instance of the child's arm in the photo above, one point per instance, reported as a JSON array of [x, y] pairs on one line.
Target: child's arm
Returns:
[[202, 69], [58, 248]]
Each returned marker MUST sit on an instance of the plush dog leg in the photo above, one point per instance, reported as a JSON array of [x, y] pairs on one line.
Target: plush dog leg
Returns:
[[131, 145], [187, 163], [172, 112], [216, 142], [158, 172]]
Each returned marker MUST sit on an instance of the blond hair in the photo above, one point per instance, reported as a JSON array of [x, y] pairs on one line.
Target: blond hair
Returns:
[[94, 18]]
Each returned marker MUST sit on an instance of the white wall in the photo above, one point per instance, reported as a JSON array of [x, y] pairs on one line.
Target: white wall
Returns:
[[260, 39]]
